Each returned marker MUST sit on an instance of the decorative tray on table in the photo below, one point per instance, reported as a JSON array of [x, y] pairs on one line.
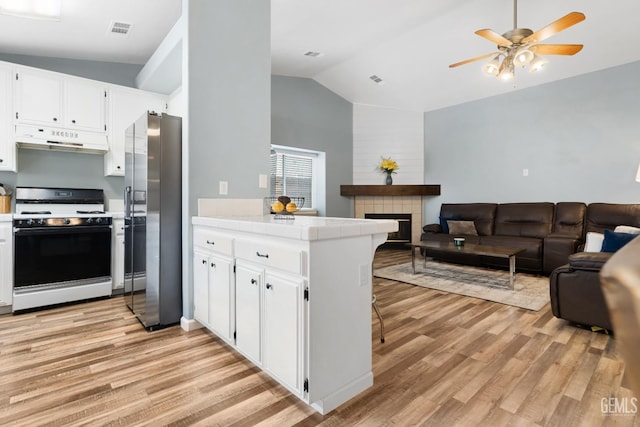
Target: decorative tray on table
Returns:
[[284, 206]]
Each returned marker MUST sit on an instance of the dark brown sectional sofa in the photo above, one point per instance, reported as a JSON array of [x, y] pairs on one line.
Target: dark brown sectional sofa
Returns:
[[553, 236], [549, 232]]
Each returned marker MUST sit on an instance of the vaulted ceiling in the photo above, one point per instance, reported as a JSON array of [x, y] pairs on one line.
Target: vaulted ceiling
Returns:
[[406, 43]]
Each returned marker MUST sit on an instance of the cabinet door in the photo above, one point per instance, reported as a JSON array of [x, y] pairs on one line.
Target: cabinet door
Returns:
[[6, 264], [39, 97], [118, 271], [7, 144], [221, 298], [281, 330], [85, 105], [126, 106], [248, 282], [201, 287]]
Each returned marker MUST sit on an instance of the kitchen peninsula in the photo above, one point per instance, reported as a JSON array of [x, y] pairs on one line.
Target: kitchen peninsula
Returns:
[[293, 296]]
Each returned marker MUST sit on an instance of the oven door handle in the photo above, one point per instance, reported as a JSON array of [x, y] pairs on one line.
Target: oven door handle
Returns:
[[61, 230]]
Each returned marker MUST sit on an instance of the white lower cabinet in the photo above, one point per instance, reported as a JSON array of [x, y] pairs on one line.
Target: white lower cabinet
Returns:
[[213, 283], [117, 254], [6, 263], [281, 330], [300, 298], [249, 282]]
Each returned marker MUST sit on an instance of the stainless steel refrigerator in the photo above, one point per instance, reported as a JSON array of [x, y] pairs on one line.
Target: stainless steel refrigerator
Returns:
[[153, 219]]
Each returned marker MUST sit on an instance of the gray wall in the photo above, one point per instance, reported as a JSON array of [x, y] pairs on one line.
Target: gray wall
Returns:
[[60, 169], [579, 138], [110, 72], [305, 114], [226, 80]]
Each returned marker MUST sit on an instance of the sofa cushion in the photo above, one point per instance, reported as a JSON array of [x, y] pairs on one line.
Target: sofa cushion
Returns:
[[462, 227], [482, 214], [614, 241], [441, 237], [569, 219], [524, 219], [607, 216]]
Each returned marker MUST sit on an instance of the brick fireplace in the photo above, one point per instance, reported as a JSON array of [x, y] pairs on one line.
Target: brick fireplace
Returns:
[[391, 199]]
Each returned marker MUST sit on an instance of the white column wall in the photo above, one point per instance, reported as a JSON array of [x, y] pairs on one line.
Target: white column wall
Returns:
[[387, 132]]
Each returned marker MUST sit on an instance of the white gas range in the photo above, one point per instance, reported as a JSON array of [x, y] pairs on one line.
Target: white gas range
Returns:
[[62, 246]]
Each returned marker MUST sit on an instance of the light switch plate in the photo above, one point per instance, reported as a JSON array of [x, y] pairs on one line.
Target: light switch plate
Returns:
[[224, 188]]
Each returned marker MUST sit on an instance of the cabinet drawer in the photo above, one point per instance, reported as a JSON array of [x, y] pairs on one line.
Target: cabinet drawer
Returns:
[[270, 255], [213, 241]]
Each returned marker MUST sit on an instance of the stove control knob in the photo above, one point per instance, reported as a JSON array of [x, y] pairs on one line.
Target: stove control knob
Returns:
[[98, 220], [67, 221], [89, 220], [41, 221], [29, 221]]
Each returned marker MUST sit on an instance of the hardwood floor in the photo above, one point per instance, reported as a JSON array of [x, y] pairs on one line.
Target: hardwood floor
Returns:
[[447, 360]]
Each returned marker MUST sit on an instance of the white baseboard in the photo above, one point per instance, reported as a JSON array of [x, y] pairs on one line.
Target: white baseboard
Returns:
[[189, 324]]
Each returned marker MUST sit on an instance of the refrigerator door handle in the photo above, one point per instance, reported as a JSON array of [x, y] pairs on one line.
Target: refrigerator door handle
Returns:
[[127, 202]]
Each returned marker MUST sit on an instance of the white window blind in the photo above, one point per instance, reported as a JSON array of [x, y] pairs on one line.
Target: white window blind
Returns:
[[292, 175]]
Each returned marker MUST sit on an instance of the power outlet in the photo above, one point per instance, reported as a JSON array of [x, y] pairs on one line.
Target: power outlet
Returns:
[[224, 188], [525, 172], [262, 181]]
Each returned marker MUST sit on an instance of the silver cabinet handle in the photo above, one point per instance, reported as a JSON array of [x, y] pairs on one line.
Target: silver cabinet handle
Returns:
[[269, 286], [262, 255], [210, 242], [204, 261], [254, 281], [213, 265]]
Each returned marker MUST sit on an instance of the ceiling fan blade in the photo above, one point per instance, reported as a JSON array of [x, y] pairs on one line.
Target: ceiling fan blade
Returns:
[[477, 58], [555, 27], [494, 37], [557, 49]]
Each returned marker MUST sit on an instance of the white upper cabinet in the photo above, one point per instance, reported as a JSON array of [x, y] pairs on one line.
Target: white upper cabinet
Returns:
[[38, 97], [126, 106], [85, 105], [7, 145], [52, 99]]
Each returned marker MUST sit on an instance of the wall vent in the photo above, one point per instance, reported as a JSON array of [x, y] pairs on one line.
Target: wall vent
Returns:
[[120, 28], [376, 79]]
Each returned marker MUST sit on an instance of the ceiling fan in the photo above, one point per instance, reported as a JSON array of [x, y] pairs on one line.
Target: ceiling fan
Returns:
[[519, 47]]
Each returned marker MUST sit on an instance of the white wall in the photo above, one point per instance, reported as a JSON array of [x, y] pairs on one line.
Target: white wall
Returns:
[[387, 132]]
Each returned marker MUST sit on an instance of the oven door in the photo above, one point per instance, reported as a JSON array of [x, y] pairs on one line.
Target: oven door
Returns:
[[51, 255]]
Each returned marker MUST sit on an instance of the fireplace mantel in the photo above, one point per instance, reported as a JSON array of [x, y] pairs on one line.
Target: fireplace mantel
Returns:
[[390, 190]]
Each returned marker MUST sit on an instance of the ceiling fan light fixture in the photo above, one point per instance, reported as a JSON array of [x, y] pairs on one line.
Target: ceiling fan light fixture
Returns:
[[523, 57], [537, 64], [492, 67], [507, 70]]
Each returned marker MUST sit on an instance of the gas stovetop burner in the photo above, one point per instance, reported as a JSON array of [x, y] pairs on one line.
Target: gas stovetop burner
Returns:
[[36, 212]]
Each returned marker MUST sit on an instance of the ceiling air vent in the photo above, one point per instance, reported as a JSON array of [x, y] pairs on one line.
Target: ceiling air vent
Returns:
[[376, 79], [120, 28], [313, 54]]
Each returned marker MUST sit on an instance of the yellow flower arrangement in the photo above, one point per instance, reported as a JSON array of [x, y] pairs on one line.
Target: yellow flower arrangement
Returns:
[[388, 166]]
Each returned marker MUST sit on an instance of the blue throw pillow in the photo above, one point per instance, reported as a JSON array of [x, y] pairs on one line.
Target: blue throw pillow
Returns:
[[614, 241]]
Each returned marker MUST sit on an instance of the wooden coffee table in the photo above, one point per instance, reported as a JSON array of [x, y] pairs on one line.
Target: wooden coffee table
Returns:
[[471, 249]]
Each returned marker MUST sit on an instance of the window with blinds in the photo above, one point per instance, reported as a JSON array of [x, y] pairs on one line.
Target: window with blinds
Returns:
[[292, 175]]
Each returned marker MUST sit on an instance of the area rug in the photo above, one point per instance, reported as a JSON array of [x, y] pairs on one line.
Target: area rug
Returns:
[[531, 292]]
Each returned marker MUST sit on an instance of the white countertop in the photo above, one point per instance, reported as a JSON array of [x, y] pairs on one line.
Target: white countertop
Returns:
[[6, 217], [302, 227], [117, 215]]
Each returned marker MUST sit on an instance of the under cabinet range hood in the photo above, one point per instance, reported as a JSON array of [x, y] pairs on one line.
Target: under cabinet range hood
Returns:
[[50, 138]]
